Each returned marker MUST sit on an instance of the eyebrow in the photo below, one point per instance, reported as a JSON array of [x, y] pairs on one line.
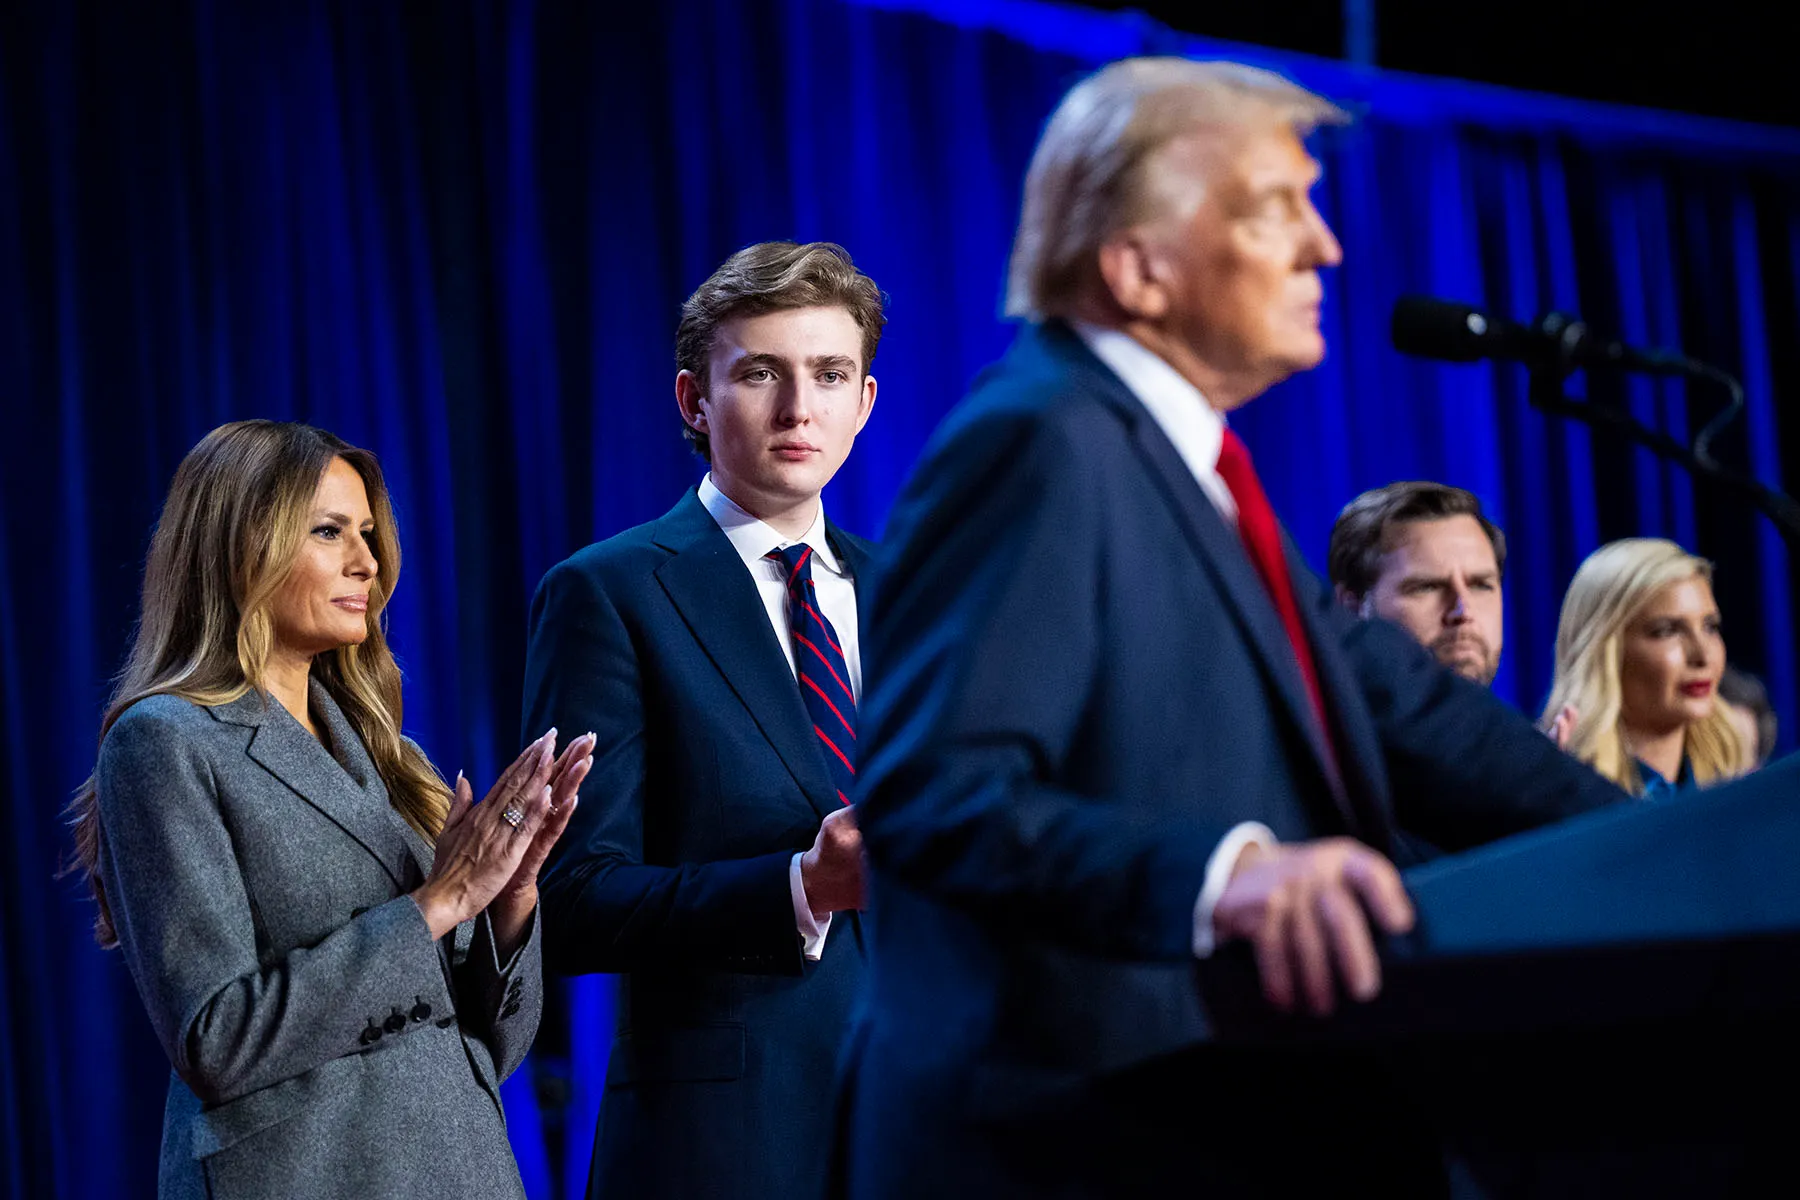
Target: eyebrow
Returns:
[[1277, 187], [341, 519], [1443, 579], [842, 362]]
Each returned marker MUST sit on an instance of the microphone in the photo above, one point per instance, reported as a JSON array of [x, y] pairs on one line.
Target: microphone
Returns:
[[1425, 327]]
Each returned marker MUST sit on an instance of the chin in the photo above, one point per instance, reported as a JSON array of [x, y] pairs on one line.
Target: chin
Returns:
[[801, 483], [1695, 713], [1303, 354]]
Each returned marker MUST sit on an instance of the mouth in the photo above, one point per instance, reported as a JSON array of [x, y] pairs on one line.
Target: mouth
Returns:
[[794, 451], [1697, 691], [355, 604]]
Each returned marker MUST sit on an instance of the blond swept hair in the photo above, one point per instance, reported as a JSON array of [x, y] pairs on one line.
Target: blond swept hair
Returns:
[[1096, 168], [230, 533], [1608, 592]]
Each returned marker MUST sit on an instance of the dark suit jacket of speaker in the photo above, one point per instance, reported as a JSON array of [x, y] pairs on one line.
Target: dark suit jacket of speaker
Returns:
[[1078, 687], [707, 779]]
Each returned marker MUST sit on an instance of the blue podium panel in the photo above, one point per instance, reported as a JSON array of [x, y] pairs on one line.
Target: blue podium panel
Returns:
[[1607, 1007], [1646, 912]]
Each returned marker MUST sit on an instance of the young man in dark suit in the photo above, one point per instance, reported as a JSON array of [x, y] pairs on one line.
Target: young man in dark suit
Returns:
[[717, 865], [1115, 719]]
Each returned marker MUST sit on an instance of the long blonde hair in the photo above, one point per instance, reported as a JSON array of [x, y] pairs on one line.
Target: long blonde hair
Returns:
[[229, 534], [1609, 590]]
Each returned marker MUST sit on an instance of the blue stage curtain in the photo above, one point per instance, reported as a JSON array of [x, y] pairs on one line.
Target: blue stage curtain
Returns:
[[459, 234]]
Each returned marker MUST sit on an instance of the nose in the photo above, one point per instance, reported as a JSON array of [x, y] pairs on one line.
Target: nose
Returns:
[[362, 563], [1699, 650], [1459, 605], [795, 404], [1323, 244]]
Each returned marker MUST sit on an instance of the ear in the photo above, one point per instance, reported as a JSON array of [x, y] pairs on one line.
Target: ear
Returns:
[[868, 402], [1132, 271], [690, 400]]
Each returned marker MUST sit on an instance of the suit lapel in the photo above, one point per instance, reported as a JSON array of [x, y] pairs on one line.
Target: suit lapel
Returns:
[[707, 583], [1358, 745], [353, 757], [851, 553], [1217, 545], [300, 761]]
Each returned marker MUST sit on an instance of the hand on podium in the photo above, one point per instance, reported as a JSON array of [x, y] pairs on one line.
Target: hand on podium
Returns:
[[1305, 909]]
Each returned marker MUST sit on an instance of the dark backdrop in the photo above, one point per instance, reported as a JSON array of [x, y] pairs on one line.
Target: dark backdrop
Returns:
[[459, 233]]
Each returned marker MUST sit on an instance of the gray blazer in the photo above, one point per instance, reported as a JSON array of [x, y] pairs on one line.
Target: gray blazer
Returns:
[[323, 1044]]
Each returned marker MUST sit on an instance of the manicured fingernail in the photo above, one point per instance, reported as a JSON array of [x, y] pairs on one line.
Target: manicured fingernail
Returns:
[[459, 779]]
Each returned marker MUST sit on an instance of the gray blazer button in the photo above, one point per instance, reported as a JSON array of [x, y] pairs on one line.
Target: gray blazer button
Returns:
[[511, 1010], [447, 1022], [396, 1021], [372, 1034], [420, 1009]]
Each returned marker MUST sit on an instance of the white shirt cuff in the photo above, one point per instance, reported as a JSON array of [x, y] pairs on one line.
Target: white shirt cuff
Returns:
[[812, 930], [1218, 874]]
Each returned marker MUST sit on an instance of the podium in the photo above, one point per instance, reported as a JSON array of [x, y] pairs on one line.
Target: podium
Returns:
[[1605, 1007]]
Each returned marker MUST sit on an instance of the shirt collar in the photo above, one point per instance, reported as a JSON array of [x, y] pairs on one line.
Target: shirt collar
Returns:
[[1655, 787], [1193, 424], [753, 538]]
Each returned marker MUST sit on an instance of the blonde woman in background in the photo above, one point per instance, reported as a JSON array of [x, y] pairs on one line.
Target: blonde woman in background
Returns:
[[1639, 654]]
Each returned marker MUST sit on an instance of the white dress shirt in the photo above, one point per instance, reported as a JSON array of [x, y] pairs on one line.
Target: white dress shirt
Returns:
[[1197, 430], [753, 540]]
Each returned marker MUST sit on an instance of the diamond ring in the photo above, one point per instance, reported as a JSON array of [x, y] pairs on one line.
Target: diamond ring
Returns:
[[512, 816]]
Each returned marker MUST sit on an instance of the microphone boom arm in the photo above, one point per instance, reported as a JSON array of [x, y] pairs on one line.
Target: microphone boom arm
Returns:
[[1546, 394]]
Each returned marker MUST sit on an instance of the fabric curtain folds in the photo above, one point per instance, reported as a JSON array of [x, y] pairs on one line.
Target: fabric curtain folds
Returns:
[[460, 234]]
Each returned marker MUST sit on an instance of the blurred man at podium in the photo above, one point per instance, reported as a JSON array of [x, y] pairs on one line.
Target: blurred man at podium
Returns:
[[1115, 719]]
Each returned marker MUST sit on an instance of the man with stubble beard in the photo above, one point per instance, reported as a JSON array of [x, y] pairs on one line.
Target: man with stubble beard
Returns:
[[1424, 556]]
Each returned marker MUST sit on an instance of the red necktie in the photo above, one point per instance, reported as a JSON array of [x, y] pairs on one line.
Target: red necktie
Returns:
[[1262, 539]]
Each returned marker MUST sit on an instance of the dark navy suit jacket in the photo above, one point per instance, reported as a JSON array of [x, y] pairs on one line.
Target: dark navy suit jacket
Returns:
[[1079, 685], [706, 780]]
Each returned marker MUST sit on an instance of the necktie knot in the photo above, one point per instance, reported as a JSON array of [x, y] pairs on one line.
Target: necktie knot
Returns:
[[797, 561]]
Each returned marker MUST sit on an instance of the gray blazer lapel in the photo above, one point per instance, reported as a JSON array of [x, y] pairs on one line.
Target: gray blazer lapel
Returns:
[[353, 757], [706, 581], [283, 748]]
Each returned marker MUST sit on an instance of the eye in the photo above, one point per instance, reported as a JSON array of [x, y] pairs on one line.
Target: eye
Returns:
[[832, 376], [328, 531], [758, 375]]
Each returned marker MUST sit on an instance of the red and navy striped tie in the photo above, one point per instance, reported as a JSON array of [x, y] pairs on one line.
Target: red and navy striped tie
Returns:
[[823, 673]]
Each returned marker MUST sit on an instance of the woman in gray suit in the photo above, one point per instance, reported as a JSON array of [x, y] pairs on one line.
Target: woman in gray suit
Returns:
[[338, 951]]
